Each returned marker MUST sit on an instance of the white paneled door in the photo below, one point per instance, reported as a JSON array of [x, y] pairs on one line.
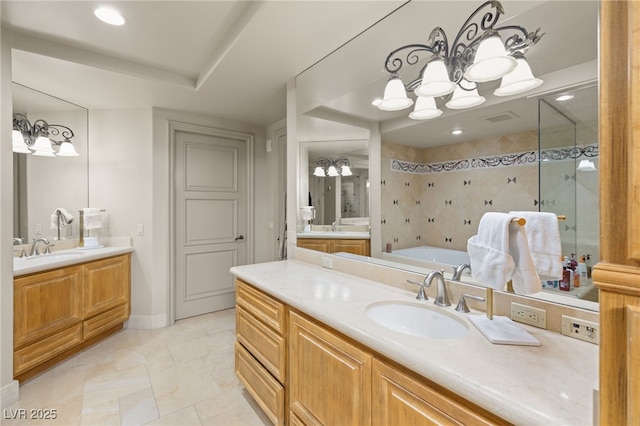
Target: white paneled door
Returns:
[[210, 220]]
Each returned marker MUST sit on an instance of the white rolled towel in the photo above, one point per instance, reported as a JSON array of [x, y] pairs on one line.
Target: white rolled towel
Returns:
[[92, 218], [65, 218]]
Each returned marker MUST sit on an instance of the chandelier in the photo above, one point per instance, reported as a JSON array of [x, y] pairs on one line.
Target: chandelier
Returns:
[[478, 54], [339, 166], [40, 137]]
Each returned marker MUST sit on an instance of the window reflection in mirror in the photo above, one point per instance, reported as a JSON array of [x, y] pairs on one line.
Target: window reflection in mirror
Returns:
[[43, 184]]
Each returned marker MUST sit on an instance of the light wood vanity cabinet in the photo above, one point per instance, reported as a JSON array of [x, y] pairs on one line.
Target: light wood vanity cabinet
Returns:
[[320, 377], [260, 353], [361, 247], [59, 312], [399, 398], [330, 376]]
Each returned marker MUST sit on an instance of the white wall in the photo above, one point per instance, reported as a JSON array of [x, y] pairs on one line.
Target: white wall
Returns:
[[8, 387], [120, 178]]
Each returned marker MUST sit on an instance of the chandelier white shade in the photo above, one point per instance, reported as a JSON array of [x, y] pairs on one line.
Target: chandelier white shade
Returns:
[[42, 147], [465, 96], [395, 96], [425, 109], [435, 80], [481, 52], [18, 143], [519, 80], [67, 150], [491, 61]]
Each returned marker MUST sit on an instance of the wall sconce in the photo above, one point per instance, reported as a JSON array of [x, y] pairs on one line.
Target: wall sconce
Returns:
[[478, 54], [336, 167], [40, 137]]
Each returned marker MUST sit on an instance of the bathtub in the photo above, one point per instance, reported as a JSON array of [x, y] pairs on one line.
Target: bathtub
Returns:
[[429, 257]]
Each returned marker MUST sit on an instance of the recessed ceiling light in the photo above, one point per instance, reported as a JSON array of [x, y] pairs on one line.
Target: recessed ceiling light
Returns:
[[457, 132], [109, 16], [563, 98]]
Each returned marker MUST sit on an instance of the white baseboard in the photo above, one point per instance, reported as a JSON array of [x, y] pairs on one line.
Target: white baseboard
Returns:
[[9, 394], [147, 322]]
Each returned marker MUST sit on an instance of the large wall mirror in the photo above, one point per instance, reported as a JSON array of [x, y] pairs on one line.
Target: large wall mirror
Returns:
[[522, 152], [44, 184]]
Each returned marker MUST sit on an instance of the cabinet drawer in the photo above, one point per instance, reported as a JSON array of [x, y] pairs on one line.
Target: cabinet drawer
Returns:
[[45, 349], [105, 321], [400, 398], [264, 307], [265, 390], [262, 342]]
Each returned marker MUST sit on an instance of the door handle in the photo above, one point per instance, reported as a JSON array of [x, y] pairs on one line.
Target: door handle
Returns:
[[241, 237]]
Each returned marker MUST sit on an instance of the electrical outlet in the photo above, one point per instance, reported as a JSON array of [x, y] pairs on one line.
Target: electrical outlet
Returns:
[[581, 329], [529, 315], [327, 263]]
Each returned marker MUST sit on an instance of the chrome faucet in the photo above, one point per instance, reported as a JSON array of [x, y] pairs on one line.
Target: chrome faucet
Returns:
[[457, 271], [17, 241], [34, 247], [441, 292]]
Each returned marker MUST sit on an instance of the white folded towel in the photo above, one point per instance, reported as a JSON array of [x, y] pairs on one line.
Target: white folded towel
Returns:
[[65, 218], [92, 218], [490, 260], [525, 279], [543, 235], [500, 253]]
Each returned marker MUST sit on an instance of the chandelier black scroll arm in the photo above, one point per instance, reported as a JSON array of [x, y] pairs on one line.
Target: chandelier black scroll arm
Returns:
[[394, 63]]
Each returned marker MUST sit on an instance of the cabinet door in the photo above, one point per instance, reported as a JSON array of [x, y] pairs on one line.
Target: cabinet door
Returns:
[[360, 247], [402, 400], [107, 284], [46, 303], [330, 378], [317, 244]]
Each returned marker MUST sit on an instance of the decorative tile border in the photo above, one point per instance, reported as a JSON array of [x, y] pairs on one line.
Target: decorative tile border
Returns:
[[507, 160]]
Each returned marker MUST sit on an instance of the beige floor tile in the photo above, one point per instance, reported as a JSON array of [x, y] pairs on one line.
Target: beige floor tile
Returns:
[[180, 375], [138, 408], [183, 385], [186, 417]]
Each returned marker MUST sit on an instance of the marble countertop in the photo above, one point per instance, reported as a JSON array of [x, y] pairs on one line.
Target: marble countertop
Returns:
[[68, 257], [549, 384], [340, 235]]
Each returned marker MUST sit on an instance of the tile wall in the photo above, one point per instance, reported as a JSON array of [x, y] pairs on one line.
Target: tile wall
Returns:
[[436, 196]]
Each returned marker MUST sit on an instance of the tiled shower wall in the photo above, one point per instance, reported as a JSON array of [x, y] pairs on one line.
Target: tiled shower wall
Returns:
[[436, 196]]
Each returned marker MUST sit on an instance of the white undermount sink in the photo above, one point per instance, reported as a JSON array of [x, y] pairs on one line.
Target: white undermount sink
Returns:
[[53, 256], [416, 320]]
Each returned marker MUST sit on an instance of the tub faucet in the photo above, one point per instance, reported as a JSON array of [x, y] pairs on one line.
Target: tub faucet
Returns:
[[457, 271], [441, 292], [34, 247]]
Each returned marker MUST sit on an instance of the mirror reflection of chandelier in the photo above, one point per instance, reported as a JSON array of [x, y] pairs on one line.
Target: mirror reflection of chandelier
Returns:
[[339, 166], [40, 137], [478, 54]]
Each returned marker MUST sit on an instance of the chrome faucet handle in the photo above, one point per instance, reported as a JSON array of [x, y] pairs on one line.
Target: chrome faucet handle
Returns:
[[22, 251], [462, 303], [47, 249], [457, 271], [421, 293]]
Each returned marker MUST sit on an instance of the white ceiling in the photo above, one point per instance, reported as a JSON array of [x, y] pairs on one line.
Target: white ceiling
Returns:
[[230, 59]]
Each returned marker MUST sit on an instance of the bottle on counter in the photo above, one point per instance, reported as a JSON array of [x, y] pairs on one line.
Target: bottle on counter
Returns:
[[582, 271], [573, 264], [567, 276]]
